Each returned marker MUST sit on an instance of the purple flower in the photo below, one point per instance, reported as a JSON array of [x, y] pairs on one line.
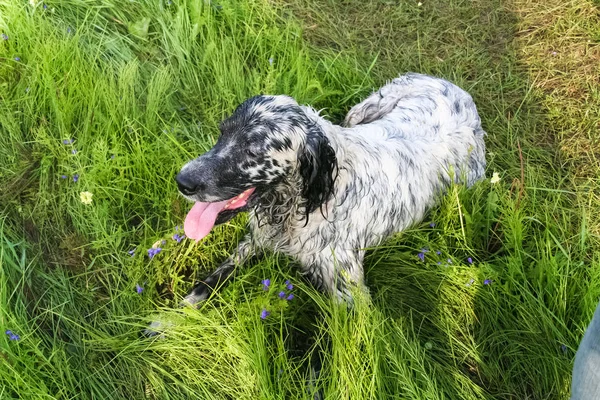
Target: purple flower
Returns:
[[264, 313], [438, 252], [138, 289], [112, 157], [425, 250], [68, 141], [12, 336], [178, 238], [177, 228], [153, 251], [487, 282], [131, 252], [281, 294], [432, 225], [69, 30], [266, 283], [74, 151], [4, 36], [75, 177], [421, 256], [288, 285], [564, 348], [17, 58], [45, 6], [63, 176], [470, 260], [439, 263], [290, 297]]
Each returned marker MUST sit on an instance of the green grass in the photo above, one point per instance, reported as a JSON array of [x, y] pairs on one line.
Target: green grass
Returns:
[[148, 82]]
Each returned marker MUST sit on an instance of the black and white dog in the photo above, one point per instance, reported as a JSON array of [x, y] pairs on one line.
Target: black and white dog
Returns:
[[323, 193]]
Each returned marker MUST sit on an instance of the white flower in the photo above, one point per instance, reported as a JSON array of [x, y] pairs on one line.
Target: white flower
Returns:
[[32, 3], [495, 178], [419, 4], [86, 197]]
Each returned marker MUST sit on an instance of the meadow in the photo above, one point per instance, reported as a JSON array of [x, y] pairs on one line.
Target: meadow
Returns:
[[487, 298]]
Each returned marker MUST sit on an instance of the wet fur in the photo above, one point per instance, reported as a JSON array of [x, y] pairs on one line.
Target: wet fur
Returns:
[[325, 193]]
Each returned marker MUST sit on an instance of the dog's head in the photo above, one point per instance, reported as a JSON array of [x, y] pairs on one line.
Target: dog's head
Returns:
[[266, 142]]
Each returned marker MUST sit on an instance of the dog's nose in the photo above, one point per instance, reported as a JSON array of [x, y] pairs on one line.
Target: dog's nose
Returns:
[[185, 184]]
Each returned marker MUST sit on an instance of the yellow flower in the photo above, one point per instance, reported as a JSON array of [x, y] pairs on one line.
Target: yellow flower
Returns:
[[86, 197], [495, 178]]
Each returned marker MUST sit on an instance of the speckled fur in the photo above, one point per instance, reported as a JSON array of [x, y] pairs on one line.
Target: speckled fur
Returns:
[[397, 151]]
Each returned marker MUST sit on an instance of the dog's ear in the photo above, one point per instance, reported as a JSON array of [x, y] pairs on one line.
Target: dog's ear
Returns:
[[318, 168]]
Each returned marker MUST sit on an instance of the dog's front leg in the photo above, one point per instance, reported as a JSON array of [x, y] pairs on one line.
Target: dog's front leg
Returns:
[[244, 251], [335, 272], [202, 290]]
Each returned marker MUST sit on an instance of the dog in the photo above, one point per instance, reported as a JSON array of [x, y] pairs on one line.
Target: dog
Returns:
[[323, 193]]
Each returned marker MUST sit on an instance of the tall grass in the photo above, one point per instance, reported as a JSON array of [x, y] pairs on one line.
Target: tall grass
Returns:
[[140, 88]]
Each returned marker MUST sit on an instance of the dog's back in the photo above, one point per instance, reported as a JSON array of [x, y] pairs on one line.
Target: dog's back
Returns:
[[426, 113]]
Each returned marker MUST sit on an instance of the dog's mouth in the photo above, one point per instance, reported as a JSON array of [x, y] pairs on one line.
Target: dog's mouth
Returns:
[[203, 216]]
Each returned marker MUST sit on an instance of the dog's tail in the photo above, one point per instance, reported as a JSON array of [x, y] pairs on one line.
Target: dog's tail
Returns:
[[372, 108]]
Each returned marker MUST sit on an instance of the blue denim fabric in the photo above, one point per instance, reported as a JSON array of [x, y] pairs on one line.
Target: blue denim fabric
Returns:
[[586, 371]]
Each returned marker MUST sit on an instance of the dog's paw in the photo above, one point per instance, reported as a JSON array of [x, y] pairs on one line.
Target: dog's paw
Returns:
[[158, 329]]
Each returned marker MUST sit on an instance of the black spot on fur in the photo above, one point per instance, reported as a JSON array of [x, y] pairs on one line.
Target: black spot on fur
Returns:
[[318, 168]]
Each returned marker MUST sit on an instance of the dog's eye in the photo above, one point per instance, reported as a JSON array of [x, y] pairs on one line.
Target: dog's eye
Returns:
[[250, 153]]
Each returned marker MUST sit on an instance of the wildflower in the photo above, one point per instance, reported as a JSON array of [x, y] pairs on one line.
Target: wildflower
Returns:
[[68, 141], [75, 177], [74, 151], [438, 252], [425, 250], [138, 289], [178, 238], [288, 285], [449, 261], [131, 252], [564, 348], [470, 260], [27, 90], [17, 58], [290, 297], [63, 176], [177, 228], [271, 61], [432, 225], [470, 282], [419, 4], [112, 157], [439, 263], [281, 294], [495, 178], [4, 36], [264, 313], [12, 336], [153, 251], [32, 3], [86, 197], [554, 53], [69, 30], [487, 282], [45, 6], [266, 283], [421, 256]]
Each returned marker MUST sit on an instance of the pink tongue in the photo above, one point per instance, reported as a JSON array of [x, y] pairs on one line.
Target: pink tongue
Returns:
[[201, 219]]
